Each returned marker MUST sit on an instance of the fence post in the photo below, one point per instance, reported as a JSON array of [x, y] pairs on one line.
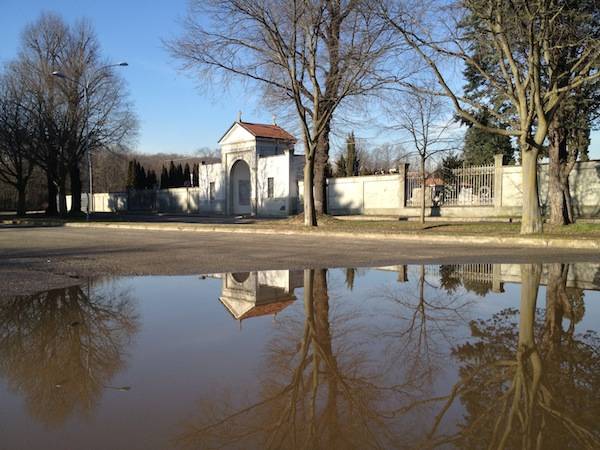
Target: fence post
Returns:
[[402, 171], [497, 285], [498, 180]]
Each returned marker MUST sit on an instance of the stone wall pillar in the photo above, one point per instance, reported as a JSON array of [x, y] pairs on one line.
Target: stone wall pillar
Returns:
[[498, 170], [402, 274], [402, 172], [497, 284]]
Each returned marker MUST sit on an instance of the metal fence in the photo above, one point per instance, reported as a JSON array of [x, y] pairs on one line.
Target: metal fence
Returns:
[[475, 272], [466, 186]]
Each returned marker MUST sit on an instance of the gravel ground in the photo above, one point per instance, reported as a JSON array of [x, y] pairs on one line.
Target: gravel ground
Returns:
[[37, 258]]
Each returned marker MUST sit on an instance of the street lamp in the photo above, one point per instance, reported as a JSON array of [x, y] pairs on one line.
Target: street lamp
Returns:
[[85, 88]]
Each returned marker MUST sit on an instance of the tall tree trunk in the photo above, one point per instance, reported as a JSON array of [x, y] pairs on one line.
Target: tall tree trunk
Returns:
[[321, 302], [570, 214], [62, 196], [52, 209], [558, 177], [423, 188], [310, 217], [75, 176], [528, 366], [556, 199], [557, 303], [323, 338], [21, 199], [531, 218], [530, 283], [321, 160]]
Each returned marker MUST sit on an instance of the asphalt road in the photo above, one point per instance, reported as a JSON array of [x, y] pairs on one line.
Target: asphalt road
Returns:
[[34, 259]]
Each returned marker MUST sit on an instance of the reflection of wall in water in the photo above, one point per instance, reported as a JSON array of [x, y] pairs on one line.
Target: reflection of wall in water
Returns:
[[253, 294], [581, 275]]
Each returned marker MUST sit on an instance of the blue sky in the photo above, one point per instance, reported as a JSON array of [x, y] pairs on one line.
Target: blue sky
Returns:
[[174, 115]]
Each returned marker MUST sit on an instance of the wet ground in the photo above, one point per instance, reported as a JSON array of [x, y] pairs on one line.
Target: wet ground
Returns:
[[34, 259], [464, 354]]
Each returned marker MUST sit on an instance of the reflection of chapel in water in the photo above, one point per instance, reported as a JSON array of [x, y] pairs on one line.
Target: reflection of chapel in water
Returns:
[[254, 294]]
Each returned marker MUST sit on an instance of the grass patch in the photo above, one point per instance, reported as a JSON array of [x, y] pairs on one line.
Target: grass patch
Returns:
[[582, 230], [579, 230]]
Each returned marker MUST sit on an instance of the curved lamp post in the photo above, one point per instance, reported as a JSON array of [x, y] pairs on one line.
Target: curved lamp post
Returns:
[[85, 87]]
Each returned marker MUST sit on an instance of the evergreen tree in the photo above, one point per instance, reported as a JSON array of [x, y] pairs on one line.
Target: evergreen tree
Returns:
[[186, 175], [452, 161], [480, 146], [340, 166], [164, 178], [130, 174], [136, 175], [449, 162], [151, 179], [352, 163], [196, 169], [172, 175], [179, 176], [328, 170], [143, 178]]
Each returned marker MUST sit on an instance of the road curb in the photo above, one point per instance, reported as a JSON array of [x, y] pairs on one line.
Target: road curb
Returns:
[[441, 239]]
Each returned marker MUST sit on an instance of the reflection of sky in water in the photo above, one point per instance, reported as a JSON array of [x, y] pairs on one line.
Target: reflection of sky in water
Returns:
[[188, 348]]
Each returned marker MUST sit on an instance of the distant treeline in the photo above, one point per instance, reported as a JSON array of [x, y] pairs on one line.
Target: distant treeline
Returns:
[[174, 177]]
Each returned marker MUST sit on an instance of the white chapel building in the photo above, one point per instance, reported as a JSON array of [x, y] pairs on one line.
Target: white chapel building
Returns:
[[258, 173]]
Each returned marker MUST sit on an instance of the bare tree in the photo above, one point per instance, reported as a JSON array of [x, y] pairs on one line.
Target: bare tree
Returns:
[[42, 45], [16, 130], [98, 112], [313, 55], [85, 109], [110, 169], [424, 118], [386, 157], [511, 46]]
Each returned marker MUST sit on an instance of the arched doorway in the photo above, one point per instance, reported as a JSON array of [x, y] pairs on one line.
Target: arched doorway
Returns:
[[240, 277], [240, 188]]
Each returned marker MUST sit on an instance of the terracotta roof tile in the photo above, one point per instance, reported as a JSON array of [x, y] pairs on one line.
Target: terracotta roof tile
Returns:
[[267, 131], [266, 310]]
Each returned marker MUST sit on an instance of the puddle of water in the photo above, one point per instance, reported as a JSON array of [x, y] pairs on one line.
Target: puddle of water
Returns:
[[454, 356]]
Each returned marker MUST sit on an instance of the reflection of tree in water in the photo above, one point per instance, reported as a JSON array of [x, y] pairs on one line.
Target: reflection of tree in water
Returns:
[[525, 382], [320, 389], [562, 302], [60, 348], [350, 275], [424, 322], [451, 280]]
